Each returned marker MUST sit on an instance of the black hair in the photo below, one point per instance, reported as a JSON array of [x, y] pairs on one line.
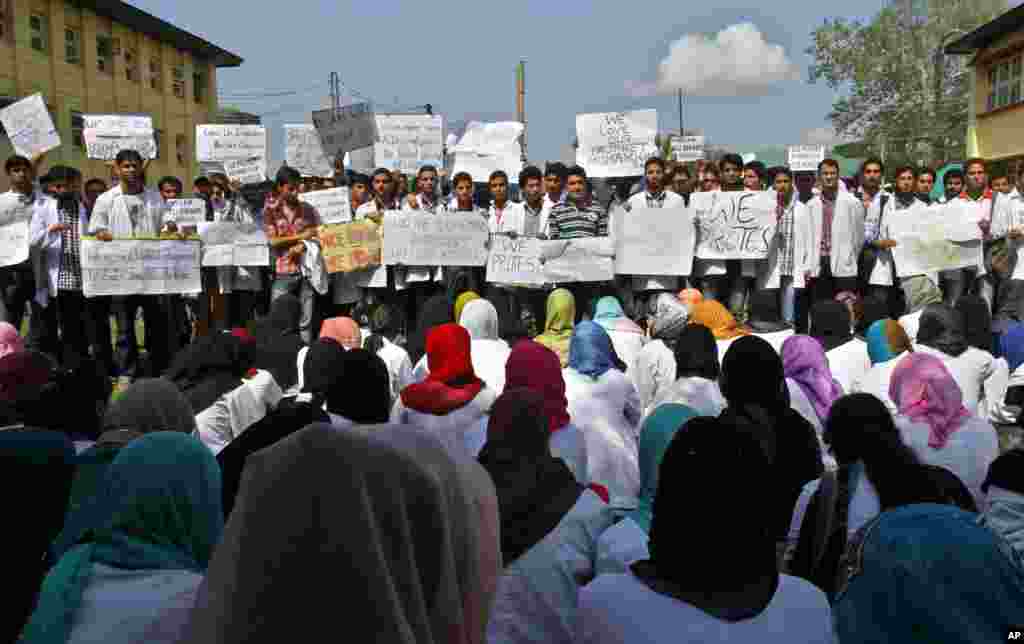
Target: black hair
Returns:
[[556, 169], [904, 168], [461, 176], [757, 166], [782, 170], [576, 171], [125, 156], [497, 174], [358, 178], [425, 168], [529, 172], [872, 161], [925, 170], [174, 181], [385, 322], [682, 169], [953, 173], [16, 161], [200, 181], [380, 171], [94, 181], [658, 161], [696, 353], [64, 173], [287, 176], [832, 163], [732, 159]]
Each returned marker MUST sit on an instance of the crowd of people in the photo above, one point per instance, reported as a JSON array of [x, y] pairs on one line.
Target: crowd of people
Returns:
[[654, 459]]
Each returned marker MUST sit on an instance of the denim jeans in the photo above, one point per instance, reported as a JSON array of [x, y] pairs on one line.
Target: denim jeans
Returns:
[[299, 286], [787, 299]]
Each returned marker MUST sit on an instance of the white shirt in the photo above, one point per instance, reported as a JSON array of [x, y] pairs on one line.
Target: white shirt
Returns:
[[237, 411], [511, 220], [653, 373], [111, 213], [849, 362], [399, 367], [621, 609], [864, 506], [876, 382]]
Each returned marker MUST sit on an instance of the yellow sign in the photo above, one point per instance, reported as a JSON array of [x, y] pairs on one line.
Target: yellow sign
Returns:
[[350, 247]]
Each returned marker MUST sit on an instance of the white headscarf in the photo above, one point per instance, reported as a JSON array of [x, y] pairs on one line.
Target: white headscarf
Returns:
[[480, 318]]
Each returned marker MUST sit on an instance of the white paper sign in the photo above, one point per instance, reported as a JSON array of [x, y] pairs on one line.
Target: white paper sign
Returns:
[[489, 138], [616, 144], [515, 261], [107, 134], [654, 241], [805, 158], [222, 142], [246, 171], [423, 239], [579, 260], [480, 166], [733, 225], [409, 141], [688, 148], [923, 245], [304, 152], [333, 206], [347, 128], [140, 267], [29, 126], [13, 237], [230, 243], [187, 211]]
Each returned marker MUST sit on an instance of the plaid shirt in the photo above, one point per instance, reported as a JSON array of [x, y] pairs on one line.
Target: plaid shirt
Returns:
[[828, 210], [69, 278], [282, 220], [786, 230]]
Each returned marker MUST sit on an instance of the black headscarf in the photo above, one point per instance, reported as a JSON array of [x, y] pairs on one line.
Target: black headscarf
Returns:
[[942, 327], [977, 322], [535, 489], [696, 353], [209, 368], [361, 392], [510, 327], [830, 324], [873, 309], [727, 570], [325, 364], [765, 313], [278, 341], [436, 311], [1007, 472]]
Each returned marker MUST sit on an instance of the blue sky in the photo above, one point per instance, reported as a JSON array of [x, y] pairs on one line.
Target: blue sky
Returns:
[[460, 56]]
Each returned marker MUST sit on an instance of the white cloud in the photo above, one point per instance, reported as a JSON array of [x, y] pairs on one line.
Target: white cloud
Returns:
[[736, 61]]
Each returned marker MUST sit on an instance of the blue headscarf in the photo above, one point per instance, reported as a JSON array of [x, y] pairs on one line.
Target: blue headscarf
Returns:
[[1011, 345], [655, 436], [952, 579], [163, 493], [886, 339], [591, 352]]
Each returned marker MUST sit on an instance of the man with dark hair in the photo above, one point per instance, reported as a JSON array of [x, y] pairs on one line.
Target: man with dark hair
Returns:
[[425, 197], [925, 183], [754, 176], [1001, 182], [579, 215], [463, 200], [359, 191], [731, 167], [789, 256], [980, 200], [169, 187], [711, 179], [682, 183], [201, 186], [654, 196], [290, 224], [382, 192], [555, 175], [91, 192], [882, 280], [17, 284], [952, 185]]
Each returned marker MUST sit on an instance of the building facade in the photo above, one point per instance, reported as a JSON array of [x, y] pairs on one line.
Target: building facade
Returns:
[[106, 56]]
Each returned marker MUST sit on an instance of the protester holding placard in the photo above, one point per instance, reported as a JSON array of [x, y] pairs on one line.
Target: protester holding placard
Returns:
[[789, 257], [578, 216], [555, 175], [740, 274], [240, 285], [18, 205], [655, 196]]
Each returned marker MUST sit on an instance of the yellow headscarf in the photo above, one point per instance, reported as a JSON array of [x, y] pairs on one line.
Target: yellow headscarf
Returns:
[[714, 316], [561, 317], [462, 301]]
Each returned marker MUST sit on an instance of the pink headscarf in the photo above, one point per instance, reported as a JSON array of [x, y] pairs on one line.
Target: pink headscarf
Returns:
[[344, 331], [803, 360], [924, 391], [10, 340]]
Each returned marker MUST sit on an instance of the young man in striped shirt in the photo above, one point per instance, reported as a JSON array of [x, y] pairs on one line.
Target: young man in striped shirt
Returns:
[[578, 215]]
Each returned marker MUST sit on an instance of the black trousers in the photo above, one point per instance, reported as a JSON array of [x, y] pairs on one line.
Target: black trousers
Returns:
[[823, 287]]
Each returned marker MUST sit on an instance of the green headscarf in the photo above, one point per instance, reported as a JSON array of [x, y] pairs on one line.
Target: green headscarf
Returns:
[[561, 318], [658, 430], [163, 512]]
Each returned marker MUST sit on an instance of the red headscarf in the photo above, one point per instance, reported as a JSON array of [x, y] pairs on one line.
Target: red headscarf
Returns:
[[452, 383], [531, 365]]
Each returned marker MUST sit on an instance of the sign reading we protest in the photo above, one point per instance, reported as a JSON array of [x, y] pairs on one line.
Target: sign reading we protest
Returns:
[[733, 225]]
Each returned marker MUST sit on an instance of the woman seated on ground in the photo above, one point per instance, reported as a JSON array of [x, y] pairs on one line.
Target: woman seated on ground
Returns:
[[766, 318], [887, 344], [627, 338], [489, 352], [812, 389], [385, 325], [942, 334], [604, 404], [697, 369], [1004, 495], [278, 343], [655, 368], [549, 525], [719, 581], [561, 318], [721, 323], [847, 355], [1005, 398]]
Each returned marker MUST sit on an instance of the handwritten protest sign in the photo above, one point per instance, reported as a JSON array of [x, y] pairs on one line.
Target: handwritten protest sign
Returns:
[[333, 206], [654, 241], [616, 144], [515, 261], [347, 128], [231, 243], [408, 141], [733, 225], [534, 262], [688, 148], [488, 138], [805, 158], [304, 152], [14, 225], [422, 239], [107, 134], [29, 126], [187, 212], [221, 142], [140, 267], [350, 247], [923, 245], [246, 171]]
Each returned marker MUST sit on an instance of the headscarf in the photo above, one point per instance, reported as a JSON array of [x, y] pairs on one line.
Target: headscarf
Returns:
[[46, 461], [920, 291], [533, 366], [209, 368], [655, 436], [361, 393], [344, 331], [278, 341], [765, 316], [690, 296], [873, 309], [942, 327], [162, 511], [952, 579], [924, 392], [804, 361], [697, 353], [480, 318], [591, 352], [558, 328], [150, 405], [669, 318], [1007, 472], [698, 473], [1011, 345], [451, 383], [22, 374], [324, 365], [393, 549], [887, 339], [977, 322], [713, 315], [511, 327], [10, 340], [535, 489], [434, 312], [461, 302], [830, 324], [609, 314]]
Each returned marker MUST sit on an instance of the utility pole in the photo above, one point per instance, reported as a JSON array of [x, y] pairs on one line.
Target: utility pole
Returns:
[[335, 83], [681, 112], [521, 105]]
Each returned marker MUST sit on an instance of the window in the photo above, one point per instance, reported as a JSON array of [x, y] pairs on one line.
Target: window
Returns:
[[178, 81], [199, 85], [77, 129], [155, 77], [4, 14], [73, 46], [131, 66], [104, 53], [38, 29], [180, 145], [1004, 82]]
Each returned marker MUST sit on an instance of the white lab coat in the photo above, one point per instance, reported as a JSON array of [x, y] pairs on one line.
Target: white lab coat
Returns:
[[803, 234], [47, 247], [885, 268], [111, 214], [847, 234]]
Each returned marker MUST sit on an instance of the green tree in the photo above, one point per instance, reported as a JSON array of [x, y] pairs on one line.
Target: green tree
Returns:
[[897, 92]]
